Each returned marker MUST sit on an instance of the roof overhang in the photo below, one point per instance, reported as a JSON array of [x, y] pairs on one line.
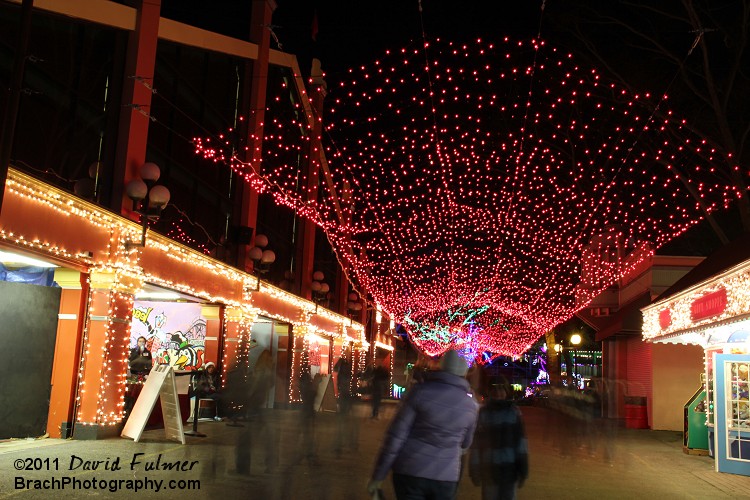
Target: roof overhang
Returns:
[[703, 313]]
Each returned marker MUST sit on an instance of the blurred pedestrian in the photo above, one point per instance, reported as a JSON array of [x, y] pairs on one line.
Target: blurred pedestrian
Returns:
[[206, 384], [432, 428], [259, 429], [308, 390], [236, 392], [346, 432], [380, 378], [499, 454], [479, 381]]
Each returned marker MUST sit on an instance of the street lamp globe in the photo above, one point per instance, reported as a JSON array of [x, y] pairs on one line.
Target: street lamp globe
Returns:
[[158, 197], [575, 339]]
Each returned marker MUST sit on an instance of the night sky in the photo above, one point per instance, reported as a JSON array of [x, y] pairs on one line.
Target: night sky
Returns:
[[351, 33]]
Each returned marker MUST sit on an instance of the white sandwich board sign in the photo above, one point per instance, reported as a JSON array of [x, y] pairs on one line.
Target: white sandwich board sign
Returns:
[[159, 384]]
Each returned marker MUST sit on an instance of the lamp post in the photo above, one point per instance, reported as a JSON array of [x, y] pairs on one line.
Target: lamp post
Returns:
[[319, 289], [353, 304], [575, 340], [262, 258], [149, 199]]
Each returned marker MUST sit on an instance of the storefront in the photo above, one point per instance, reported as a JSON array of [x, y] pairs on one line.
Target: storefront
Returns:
[[108, 290], [715, 314]]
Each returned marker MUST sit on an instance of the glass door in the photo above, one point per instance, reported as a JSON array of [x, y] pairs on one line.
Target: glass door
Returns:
[[732, 407]]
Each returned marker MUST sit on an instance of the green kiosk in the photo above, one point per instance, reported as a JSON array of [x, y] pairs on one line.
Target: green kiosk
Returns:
[[695, 434]]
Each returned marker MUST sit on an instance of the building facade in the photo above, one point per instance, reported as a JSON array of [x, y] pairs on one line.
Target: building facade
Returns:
[[645, 385], [108, 87], [712, 316]]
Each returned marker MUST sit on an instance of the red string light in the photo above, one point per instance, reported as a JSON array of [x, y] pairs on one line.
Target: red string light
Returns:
[[469, 206]]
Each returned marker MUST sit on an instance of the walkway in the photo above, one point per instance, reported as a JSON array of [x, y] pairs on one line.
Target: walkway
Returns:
[[611, 464]]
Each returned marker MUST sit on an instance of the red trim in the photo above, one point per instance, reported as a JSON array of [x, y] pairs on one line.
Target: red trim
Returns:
[[665, 318]]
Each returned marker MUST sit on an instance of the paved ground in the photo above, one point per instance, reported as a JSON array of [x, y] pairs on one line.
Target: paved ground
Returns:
[[568, 460]]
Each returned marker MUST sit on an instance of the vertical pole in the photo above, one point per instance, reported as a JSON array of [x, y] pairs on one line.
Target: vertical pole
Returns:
[[132, 134], [14, 95], [305, 257], [573, 369], [343, 282], [256, 77]]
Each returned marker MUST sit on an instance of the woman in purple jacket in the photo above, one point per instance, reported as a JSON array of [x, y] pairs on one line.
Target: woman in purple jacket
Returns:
[[432, 429]]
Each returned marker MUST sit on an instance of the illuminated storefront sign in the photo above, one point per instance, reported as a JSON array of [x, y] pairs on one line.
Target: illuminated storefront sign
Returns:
[[709, 305]]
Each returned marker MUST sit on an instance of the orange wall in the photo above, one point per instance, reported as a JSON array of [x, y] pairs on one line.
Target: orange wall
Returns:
[[22, 216], [177, 269], [677, 375], [67, 359], [94, 365]]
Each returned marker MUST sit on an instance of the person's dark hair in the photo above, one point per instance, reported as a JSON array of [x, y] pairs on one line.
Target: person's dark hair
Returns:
[[499, 382]]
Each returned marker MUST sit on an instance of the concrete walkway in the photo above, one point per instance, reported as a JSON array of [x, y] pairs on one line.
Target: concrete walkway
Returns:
[[568, 460]]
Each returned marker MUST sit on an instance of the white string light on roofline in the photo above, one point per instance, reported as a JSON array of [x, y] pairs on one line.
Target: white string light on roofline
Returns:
[[126, 265]]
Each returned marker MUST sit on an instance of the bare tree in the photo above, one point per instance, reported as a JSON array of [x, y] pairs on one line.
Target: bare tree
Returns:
[[693, 50]]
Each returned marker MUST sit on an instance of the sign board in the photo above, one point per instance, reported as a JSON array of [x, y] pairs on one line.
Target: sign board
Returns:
[[665, 318], [709, 305], [328, 402], [159, 384], [321, 391]]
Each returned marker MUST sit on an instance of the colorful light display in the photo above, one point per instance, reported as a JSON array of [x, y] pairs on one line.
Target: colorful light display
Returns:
[[483, 192]]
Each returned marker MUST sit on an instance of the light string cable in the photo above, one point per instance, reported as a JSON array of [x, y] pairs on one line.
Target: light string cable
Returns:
[[501, 263], [532, 73], [278, 190], [340, 154], [329, 230], [381, 225], [568, 310], [445, 164], [394, 248], [583, 232], [194, 224], [646, 124], [153, 119], [499, 267]]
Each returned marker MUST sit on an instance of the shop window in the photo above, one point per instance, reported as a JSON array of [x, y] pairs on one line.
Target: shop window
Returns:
[[319, 355], [739, 414]]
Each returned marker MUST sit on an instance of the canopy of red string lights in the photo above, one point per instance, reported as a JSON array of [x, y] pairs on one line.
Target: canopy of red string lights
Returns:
[[468, 187]]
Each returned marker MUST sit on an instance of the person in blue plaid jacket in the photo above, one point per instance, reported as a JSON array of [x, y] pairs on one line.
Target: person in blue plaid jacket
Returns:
[[498, 459]]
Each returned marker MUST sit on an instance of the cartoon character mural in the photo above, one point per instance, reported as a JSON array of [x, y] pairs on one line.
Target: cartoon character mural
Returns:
[[175, 332]]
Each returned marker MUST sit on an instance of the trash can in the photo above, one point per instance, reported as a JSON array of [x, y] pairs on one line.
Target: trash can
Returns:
[[636, 412]]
